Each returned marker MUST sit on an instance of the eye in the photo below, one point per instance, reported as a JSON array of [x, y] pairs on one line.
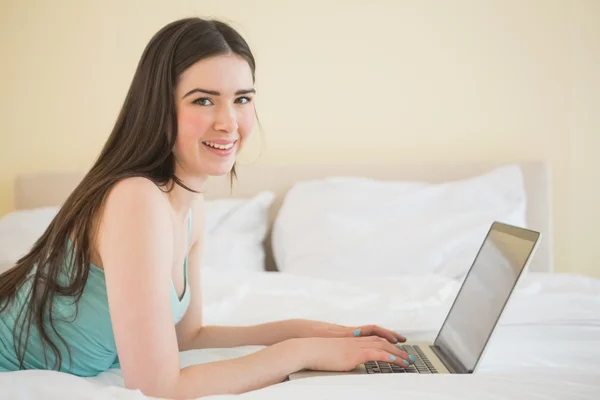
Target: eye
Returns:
[[243, 100], [203, 101]]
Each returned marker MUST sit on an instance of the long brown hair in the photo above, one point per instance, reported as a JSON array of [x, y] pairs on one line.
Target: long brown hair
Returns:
[[140, 144]]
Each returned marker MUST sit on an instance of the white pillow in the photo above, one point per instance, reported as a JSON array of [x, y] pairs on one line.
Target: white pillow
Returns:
[[352, 227], [19, 231], [235, 231]]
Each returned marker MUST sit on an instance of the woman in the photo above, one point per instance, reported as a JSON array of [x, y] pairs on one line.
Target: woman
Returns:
[[115, 279]]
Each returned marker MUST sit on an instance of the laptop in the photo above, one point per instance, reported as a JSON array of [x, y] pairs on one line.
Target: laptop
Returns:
[[461, 341]]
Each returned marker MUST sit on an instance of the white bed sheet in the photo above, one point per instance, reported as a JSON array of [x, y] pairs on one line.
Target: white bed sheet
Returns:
[[546, 347]]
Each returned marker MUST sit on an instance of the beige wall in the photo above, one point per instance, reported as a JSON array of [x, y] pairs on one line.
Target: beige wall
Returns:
[[372, 80]]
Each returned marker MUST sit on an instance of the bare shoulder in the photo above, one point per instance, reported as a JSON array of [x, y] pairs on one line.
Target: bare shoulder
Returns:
[[135, 190], [135, 195], [133, 208]]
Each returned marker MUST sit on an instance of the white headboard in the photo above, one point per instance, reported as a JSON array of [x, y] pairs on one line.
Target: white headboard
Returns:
[[50, 189]]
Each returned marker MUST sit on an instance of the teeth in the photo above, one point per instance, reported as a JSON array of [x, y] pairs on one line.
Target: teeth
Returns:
[[219, 146]]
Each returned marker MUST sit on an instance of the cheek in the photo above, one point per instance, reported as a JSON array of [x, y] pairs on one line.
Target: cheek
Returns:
[[192, 125], [245, 124]]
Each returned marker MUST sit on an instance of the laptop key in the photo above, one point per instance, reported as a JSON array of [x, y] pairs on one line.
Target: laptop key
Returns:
[[384, 364]]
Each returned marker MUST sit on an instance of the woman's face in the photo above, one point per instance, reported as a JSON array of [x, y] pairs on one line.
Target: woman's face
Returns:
[[215, 115]]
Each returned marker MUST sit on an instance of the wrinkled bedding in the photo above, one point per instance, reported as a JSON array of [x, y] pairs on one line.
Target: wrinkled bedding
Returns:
[[547, 345]]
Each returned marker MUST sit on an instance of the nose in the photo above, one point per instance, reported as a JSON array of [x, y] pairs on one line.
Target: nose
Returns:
[[226, 120]]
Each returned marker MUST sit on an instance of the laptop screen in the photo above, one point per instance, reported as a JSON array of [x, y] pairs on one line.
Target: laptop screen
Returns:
[[484, 292]]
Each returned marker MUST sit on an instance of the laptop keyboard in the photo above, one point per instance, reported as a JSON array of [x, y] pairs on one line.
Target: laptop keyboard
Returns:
[[422, 365]]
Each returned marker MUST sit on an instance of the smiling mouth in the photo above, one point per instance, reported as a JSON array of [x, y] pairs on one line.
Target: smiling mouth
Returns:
[[220, 149], [219, 146]]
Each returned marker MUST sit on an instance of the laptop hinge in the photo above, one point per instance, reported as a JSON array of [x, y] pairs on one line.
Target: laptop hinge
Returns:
[[450, 361]]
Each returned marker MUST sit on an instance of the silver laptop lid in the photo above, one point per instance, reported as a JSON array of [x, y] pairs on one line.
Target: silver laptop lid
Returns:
[[504, 254]]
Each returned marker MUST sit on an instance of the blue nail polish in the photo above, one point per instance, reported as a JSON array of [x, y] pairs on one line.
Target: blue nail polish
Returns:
[[411, 358], [405, 362], [393, 358], [396, 339], [357, 332]]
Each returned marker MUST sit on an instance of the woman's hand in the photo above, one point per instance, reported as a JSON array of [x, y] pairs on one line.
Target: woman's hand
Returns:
[[303, 328], [345, 354]]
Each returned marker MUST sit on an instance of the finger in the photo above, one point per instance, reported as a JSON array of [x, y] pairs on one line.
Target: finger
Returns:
[[390, 348], [357, 332], [378, 331], [378, 343], [367, 330], [398, 336], [390, 336], [382, 355]]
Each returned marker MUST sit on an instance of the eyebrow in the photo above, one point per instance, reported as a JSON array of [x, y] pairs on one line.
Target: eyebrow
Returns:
[[215, 93]]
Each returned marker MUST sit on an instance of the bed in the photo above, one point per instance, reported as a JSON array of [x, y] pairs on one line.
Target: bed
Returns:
[[547, 344]]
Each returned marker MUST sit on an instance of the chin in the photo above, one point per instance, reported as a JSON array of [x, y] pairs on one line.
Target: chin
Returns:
[[218, 170]]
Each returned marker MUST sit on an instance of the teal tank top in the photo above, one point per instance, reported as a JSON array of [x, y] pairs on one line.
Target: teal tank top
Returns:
[[89, 335]]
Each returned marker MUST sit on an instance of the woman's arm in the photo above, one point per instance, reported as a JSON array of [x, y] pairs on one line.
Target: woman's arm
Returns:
[[263, 368], [232, 336], [135, 243], [135, 246], [191, 334]]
